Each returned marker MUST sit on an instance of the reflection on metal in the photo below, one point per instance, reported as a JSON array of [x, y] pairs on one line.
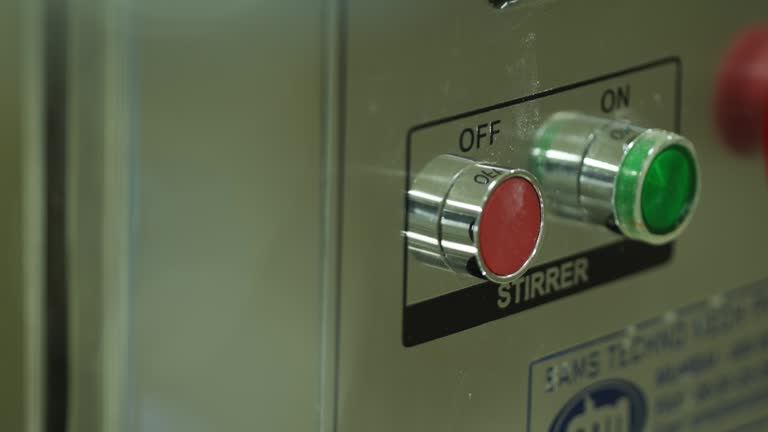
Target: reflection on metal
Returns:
[[501, 4]]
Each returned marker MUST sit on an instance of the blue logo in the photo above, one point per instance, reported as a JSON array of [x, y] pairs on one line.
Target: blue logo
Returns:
[[606, 406]]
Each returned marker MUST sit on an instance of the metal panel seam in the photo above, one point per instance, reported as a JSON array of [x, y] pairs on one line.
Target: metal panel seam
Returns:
[[331, 218]]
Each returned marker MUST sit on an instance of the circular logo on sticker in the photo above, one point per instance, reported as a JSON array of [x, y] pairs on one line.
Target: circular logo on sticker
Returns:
[[611, 405]]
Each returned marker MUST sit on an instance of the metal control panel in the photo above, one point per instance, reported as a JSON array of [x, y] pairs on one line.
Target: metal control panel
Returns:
[[625, 320]]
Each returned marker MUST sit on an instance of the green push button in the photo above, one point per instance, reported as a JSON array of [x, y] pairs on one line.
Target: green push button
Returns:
[[656, 187], [668, 190]]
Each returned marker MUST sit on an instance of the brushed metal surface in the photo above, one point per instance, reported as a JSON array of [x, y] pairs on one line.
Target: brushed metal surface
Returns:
[[225, 322], [21, 217], [203, 215], [455, 56]]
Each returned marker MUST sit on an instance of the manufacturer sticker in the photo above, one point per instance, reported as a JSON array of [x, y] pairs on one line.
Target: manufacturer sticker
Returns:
[[703, 367]]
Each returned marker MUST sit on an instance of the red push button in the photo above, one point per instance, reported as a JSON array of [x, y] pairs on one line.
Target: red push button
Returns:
[[765, 134], [742, 91], [474, 218], [510, 226]]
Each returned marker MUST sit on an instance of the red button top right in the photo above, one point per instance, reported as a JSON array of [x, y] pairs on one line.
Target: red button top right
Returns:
[[741, 102]]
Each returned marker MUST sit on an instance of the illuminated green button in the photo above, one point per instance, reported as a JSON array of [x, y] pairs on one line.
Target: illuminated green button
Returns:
[[656, 187], [669, 189]]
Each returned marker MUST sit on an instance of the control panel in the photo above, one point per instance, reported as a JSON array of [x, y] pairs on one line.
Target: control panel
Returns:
[[554, 218], [599, 189]]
